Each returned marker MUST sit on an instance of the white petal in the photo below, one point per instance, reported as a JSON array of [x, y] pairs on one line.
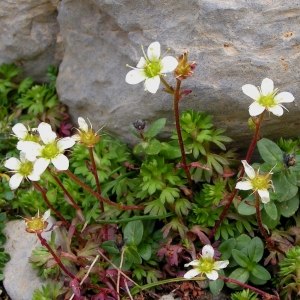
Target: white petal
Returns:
[[191, 273], [248, 169], [47, 135], [46, 215], [34, 176], [142, 63], [169, 64], [213, 275], [284, 97], [153, 51], [60, 162], [41, 165], [264, 195], [256, 109], [22, 156], [152, 84], [31, 149], [244, 185], [12, 164], [76, 137], [277, 110], [251, 91], [267, 86], [15, 181], [20, 130], [192, 263], [221, 264], [82, 124], [208, 251], [135, 76], [65, 143]]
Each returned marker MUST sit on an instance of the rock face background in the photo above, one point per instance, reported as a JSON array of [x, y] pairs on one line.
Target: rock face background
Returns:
[[234, 42]]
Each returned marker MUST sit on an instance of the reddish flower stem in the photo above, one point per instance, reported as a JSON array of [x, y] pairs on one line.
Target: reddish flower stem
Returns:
[[107, 201], [65, 222], [176, 94], [95, 173], [43, 192], [56, 258], [248, 157], [258, 217], [74, 204], [246, 286]]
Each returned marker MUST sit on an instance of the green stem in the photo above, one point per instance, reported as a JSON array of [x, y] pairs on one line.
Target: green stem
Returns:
[[248, 157], [109, 202]]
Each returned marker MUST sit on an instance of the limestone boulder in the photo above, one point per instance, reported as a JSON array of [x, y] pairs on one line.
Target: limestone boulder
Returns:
[[234, 42]]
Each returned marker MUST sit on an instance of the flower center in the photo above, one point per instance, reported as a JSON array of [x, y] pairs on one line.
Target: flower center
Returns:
[[260, 182], [26, 168], [50, 151], [268, 100], [32, 138], [152, 68], [206, 265]]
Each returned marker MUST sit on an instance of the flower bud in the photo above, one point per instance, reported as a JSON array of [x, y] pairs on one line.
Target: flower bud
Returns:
[[184, 69]]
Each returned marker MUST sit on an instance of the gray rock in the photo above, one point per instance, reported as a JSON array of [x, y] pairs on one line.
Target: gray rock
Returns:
[[234, 42], [30, 36], [20, 279]]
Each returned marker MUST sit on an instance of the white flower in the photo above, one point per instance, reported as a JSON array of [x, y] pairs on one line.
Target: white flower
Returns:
[[22, 169], [51, 151], [256, 182], [86, 135], [206, 264], [151, 67], [266, 98], [24, 134]]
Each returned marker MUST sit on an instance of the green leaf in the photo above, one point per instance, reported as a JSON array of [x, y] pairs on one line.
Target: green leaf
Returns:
[[245, 209], [132, 255], [260, 273], [216, 286], [2, 216], [145, 250], [270, 223], [133, 232], [241, 258], [154, 147], [109, 246], [269, 151], [25, 85], [226, 248], [256, 249], [239, 274], [155, 128], [271, 210], [284, 189], [289, 207], [242, 243]]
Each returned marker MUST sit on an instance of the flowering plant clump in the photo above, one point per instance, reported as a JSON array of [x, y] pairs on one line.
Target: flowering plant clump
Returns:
[[136, 219], [206, 265]]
